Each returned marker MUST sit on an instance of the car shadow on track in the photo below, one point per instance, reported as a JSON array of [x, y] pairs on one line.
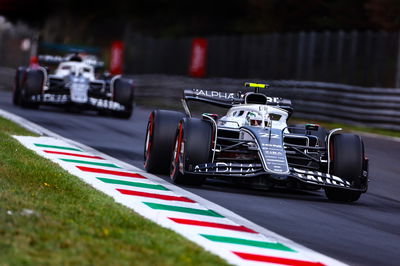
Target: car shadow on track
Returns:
[[66, 110], [275, 192]]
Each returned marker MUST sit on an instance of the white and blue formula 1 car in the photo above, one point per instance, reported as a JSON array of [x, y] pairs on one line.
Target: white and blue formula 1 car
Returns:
[[253, 145], [74, 83]]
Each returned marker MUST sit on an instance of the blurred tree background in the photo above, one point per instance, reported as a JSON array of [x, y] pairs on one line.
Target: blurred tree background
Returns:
[[95, 22]]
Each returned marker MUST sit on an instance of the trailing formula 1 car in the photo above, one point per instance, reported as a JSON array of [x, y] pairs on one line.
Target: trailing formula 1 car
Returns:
[[73, 83], [253, 145]]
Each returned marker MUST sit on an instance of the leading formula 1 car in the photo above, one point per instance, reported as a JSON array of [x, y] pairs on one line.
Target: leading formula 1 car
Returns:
[[74, 83], [253, 145]]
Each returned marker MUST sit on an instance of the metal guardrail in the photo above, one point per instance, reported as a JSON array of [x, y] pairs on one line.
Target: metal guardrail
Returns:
[[372, 107], [362, 106]]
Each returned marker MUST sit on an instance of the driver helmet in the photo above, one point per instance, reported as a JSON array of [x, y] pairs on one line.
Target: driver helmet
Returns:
[[255, 119], [76, 58]]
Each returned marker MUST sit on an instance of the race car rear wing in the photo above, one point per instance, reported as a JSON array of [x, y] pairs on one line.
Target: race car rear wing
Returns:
[[228, 99], [50, 59], [56, 59], [219, 98]]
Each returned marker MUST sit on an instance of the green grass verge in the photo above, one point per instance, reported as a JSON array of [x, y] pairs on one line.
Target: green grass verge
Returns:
[[72, 223], [347, 127]]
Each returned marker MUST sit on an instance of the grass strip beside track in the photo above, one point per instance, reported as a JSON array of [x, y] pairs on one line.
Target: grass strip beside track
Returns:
[[49, 217]]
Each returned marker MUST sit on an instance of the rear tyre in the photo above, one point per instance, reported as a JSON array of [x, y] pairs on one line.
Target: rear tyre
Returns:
[[123, 94], [160, 137], [19, 74], [347, 163], [192, 147], [32, 85]]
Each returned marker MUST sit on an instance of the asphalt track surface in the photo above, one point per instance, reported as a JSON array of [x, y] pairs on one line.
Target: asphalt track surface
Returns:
[[363, 233]]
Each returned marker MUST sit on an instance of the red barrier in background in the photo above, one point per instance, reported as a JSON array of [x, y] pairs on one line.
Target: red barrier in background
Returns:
[[197, 66], [116, 57], [33, 62]]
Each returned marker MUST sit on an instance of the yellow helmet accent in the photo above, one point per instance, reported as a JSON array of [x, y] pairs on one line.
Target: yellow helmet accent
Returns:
[[255, 85]]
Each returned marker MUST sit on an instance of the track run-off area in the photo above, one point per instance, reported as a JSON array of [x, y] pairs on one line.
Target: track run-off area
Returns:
[[366, 232]]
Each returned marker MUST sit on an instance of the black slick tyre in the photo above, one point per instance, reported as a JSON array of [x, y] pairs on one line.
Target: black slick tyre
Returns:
[[347, 155], [123, 94], [159, 142], [32, 85], [192, 147], [19, 74]]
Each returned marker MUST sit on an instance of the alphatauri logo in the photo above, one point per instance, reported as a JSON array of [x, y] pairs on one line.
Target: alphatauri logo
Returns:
[[214, 94]]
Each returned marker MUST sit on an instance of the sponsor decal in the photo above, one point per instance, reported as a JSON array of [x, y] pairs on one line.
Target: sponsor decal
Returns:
[[271, 146], [214, 94], [271, 150], [273, 99], [79, 87], [64, 98], [222, 167], [107, 104], [272, 136], [50, 98], [318, 177]]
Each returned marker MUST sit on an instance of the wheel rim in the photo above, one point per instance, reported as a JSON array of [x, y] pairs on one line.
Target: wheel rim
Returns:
[[149, 138], [177, 152]]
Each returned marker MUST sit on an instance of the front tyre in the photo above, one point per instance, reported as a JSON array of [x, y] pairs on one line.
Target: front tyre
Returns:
[[123, 94], [192, 147], [160, 137], [347, 155]]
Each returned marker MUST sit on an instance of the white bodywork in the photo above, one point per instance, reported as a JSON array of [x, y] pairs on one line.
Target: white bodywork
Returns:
[[80, 75], [76, 68], [240, 115]]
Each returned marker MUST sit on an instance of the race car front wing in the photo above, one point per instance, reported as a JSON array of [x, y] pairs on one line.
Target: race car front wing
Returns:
[[62, 99], [244, 171]]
